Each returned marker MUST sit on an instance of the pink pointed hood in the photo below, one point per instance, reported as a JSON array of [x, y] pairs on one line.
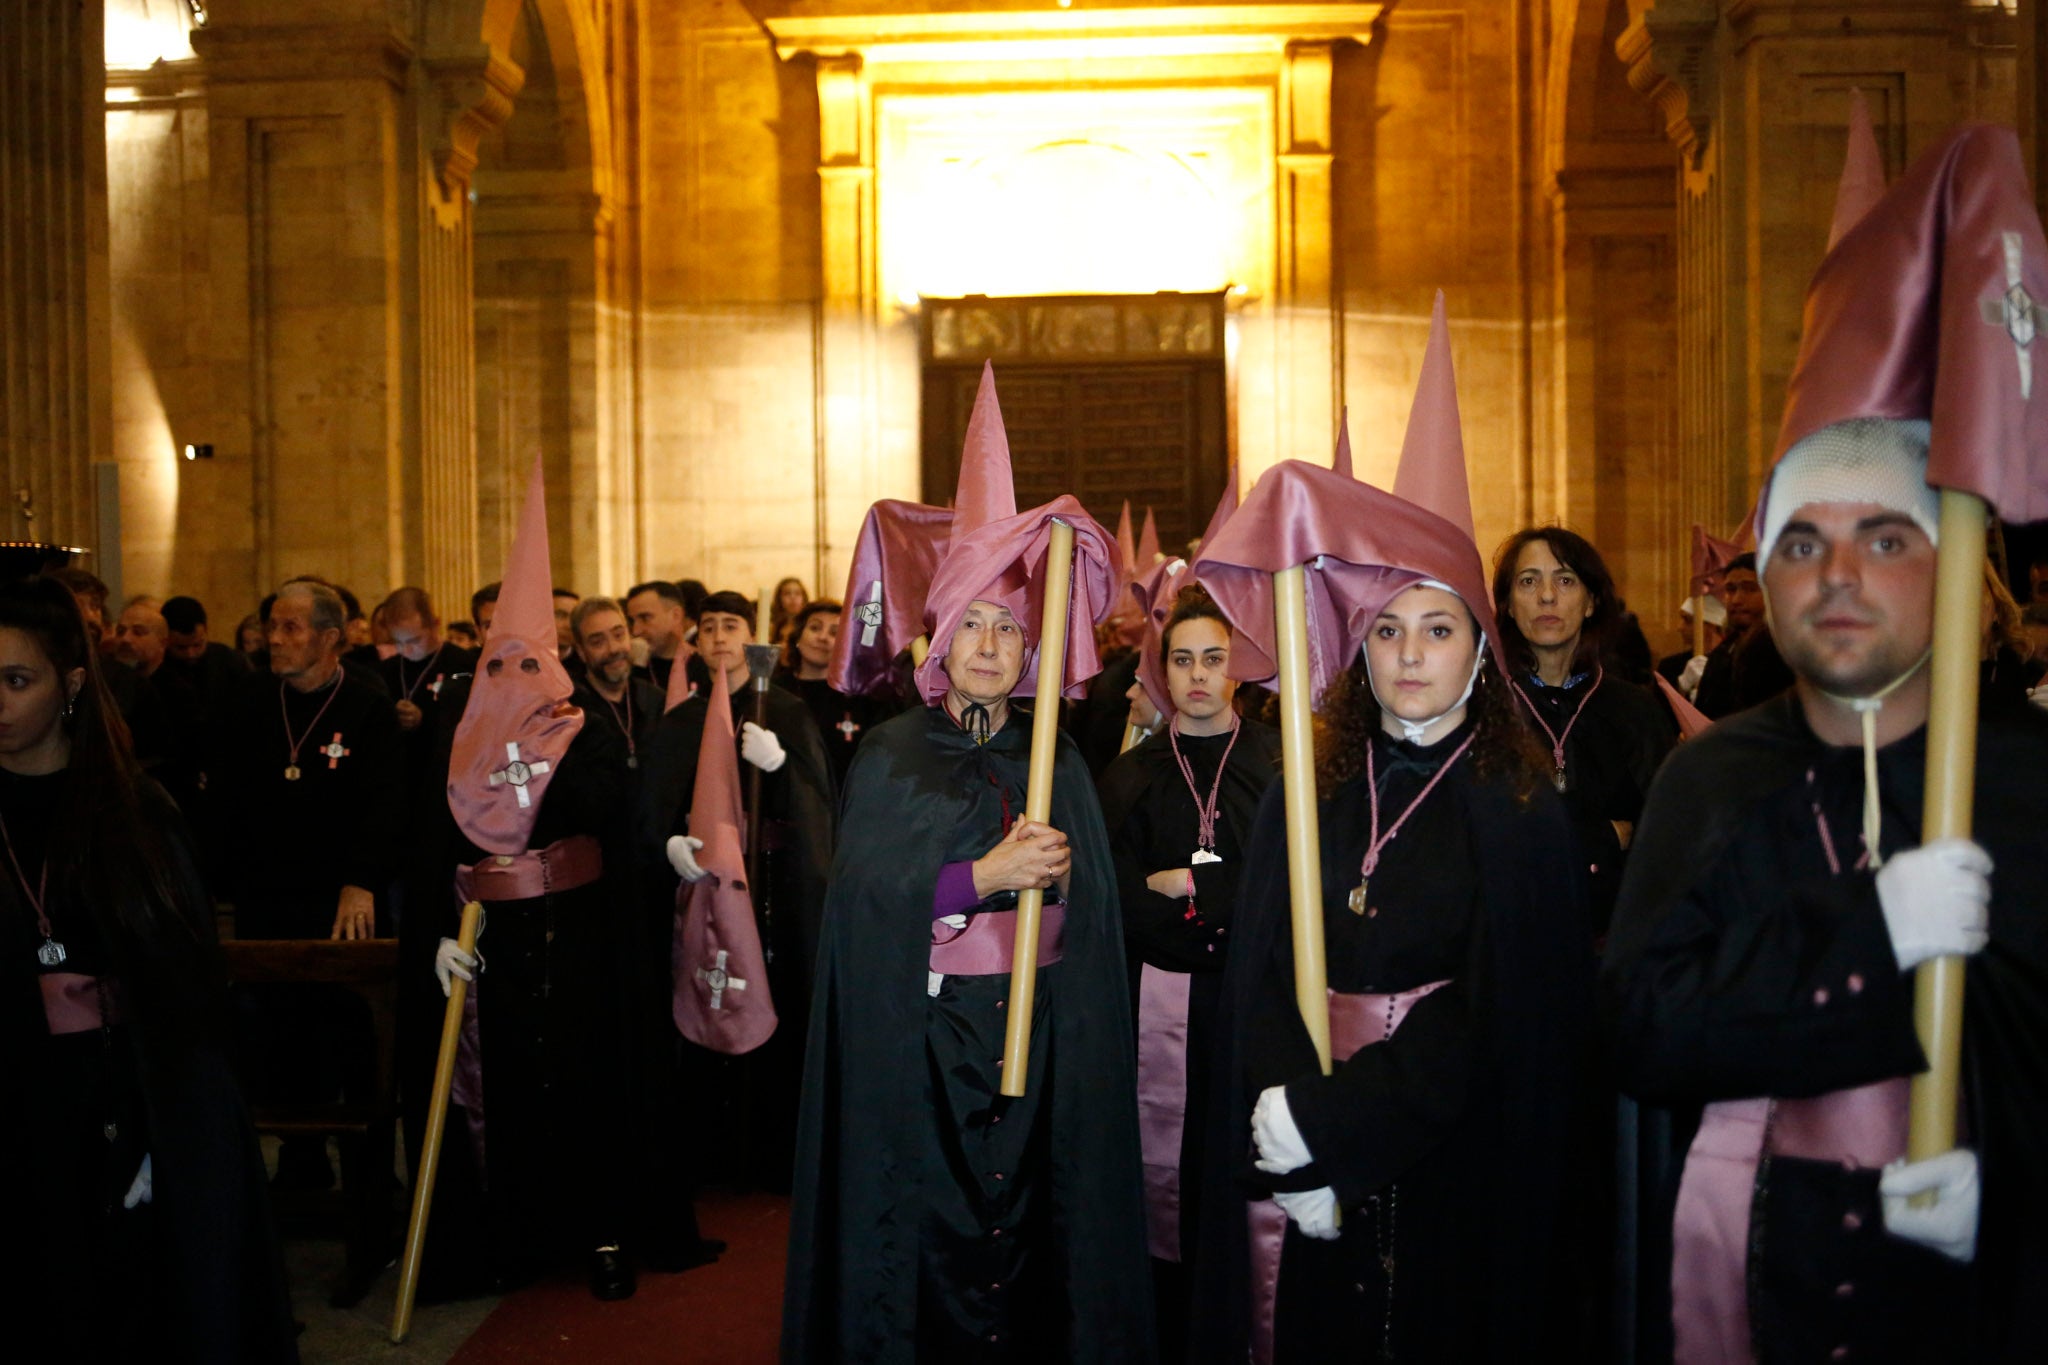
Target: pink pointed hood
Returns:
[[1157, 591], [1341, 462], [1127, 543], [1432, 470], [680, 688], [721, 998], [1148, 542], [900, 546], [1862, 183], [996, 554], [1711, 557], [519, 724]]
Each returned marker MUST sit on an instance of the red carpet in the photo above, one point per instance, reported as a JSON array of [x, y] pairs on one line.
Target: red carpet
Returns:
[[730, 1313]]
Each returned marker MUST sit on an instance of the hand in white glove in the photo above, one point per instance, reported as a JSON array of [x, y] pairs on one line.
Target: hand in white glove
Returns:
[[1313, 1211], [2039, 696], [1936, 900], [761, 748], [1280, 1144], [682, 856], [1949, 1224], [143, 1188], [1689, 678], [451, 961]]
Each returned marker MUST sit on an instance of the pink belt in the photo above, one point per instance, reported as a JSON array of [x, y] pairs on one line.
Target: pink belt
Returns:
[[986, 946], [562, 866], [1356, 1023], [71, 1003]]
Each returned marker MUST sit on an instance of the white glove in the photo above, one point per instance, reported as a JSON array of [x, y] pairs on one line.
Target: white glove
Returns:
[[451, 961], [1936, 900], [1689, 678], [1949, 1224], [143, 1188], [2039, 696], [1280, 1144], [682, 856], [639, 651], [1313, 1211], [761, 748]]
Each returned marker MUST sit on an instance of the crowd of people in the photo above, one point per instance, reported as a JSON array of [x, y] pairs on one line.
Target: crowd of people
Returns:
[[1608, 1058]]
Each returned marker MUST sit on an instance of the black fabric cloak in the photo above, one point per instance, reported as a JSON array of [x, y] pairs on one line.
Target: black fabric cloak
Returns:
[[843, 720], [1153, 824], [1099, 722], [1472, 1112], [194, 1275], [1729, 975], [876, 1157], [740, 1111], [1612, 753], [1742, 671]]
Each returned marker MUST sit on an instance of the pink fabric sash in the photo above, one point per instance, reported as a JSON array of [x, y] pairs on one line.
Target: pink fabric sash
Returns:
[[562, 866], [1162, 1100], [985, 946], [71, 1003], [1864, 1127], [1356, 1023]]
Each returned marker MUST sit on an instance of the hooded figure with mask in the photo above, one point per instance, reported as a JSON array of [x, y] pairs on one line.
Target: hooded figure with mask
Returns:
[[933, 1218], [1410, 1204], [535, 792], [1759, 979]]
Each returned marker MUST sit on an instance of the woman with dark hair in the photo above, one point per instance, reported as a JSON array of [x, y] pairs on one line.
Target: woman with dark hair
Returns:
[[1459, 990], [1606, 737], [1178, 808], [139, 1188], [790, 598], [843, 719]]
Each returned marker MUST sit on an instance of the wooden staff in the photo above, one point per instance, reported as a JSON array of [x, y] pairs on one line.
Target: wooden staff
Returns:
[[1948, 813], [1045, 731], [761, 668], [1699, 621], [437, 1121], [1134, 735], [1298, 785], [919, 648]]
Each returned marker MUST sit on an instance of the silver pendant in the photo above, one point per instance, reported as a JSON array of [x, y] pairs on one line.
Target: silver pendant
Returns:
[[632, 760], [1559, 779], [1204, 855], [52, 953], [1358, 897], [291, 773]]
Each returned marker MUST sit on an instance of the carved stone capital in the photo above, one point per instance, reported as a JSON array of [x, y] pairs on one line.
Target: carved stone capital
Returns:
[[1668, 48], [470, 94]]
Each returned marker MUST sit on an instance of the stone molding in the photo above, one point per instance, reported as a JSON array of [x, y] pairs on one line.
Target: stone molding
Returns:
[[1007, 35], [1668, 48], [474, 92]]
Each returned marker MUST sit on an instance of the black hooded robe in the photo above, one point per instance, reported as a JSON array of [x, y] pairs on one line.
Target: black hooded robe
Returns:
[[922, 1227], [1740, 966], [1153, 823], [1469, 1112], [738, 1111]]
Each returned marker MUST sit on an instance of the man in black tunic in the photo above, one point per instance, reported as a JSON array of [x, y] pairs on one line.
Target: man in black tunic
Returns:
[[754, 1095], [607, 687]]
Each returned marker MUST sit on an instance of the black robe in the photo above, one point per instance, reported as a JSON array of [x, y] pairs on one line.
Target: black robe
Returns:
[[1471, 1112], [1742, 671], [897, 1245], [1620, 737], [1728, 976], [843, 720], [194, 1275], [741, 1111], [1099, 722], [1153, 824], [642, 706]]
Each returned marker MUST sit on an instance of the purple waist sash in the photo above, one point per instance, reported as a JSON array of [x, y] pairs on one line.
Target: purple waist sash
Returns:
[[985, 947], [71, 1003], [1162, 1100], [1356, 1023], [1710, 1242]]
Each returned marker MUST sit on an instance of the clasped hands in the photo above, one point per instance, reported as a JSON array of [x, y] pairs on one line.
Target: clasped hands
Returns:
[[1032, 856]]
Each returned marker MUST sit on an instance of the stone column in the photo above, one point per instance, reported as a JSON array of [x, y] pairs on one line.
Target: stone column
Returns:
[[847, 380], [1311, 369], [55, 404]]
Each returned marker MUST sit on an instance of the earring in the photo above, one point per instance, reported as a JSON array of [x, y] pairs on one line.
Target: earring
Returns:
[[70, 703]]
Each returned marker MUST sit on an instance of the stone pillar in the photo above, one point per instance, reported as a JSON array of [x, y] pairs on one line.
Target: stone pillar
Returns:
[[847, 356], [55, 405], [1311, 369]]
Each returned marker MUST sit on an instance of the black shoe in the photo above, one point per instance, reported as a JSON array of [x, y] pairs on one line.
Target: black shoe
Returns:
[[703, 1251], [611, 1275]]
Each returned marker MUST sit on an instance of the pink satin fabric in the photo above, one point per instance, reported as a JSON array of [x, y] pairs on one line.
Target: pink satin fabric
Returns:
[[900, 545], [987, 945], [1864, 1127], [71, 1003], [1356, 1022], [562, 866], [1162, 1100]]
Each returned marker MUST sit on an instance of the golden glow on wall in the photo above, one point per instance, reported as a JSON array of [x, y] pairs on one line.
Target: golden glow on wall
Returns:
[[1074, 192], [142, 32]]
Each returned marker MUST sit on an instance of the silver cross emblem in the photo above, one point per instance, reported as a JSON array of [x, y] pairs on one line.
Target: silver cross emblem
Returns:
[[870, 614], [518, 772], [2017, 312], [715, 977]]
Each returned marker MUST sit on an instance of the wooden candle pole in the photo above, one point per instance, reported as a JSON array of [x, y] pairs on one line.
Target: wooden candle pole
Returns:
[[437, 1122], [1948, 813], [1045, 730], [1298, 785]]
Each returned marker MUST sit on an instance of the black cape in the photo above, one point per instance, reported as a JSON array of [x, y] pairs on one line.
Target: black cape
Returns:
[[1730, 922], [1478, 1102], [922, 795]]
